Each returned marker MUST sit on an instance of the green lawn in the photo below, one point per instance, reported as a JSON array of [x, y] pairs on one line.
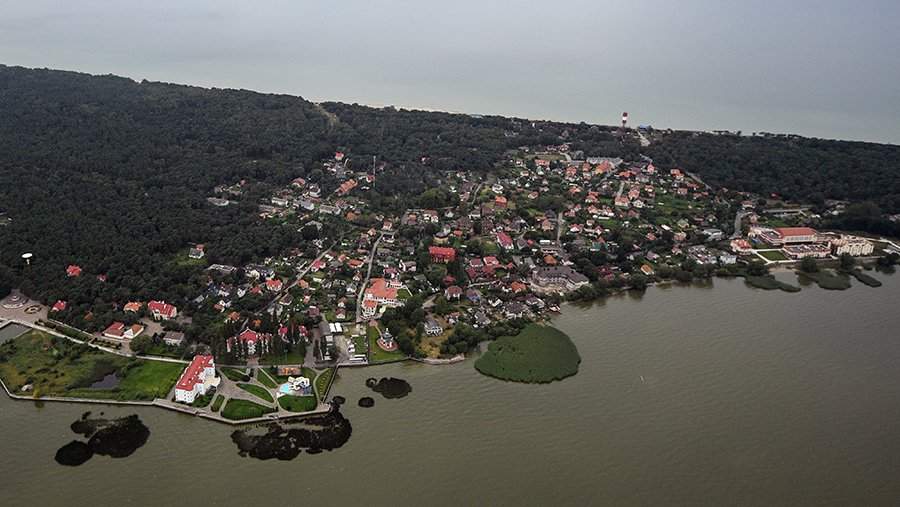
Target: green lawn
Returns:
[[774, 255], [298, 403], [58, 367], [258, 391], [265, 379], [202, 401], [238, 410], [149, 379], [163, 350], [235, 375], [360, 343], [322, 382], [217, 403], [292, 357], [537, 354], [376, 353]]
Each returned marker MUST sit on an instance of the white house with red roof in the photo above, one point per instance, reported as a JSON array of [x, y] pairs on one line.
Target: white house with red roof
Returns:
[[505, 241], [274, 285], [160, 310], [380, 292], [73, 270], [197, 379], [119, 331], [442, 254], [254, 342], [59, 306]]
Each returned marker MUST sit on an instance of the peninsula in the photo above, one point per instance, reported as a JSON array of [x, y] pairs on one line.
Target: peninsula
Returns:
[[223, 253]]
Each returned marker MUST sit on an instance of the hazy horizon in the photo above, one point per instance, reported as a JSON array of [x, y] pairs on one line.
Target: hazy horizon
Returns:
[[819, 69]]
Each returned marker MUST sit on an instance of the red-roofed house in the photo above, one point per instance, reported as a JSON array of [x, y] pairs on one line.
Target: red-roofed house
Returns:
[[59, 306], [505, 241], [196, 379], [252, 340], [442, 254], [73, 270], [160, 310], [119, 331], [132, 306], [274, 285], [491, 263], [453, 292], [380, 292], [518, 287], [346, 187]]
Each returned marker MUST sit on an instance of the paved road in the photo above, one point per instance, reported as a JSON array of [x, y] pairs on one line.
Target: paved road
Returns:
[[737, 224], [362, 288]]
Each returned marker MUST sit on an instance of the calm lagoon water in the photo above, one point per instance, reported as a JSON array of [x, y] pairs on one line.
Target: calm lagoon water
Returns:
[[701, 395]]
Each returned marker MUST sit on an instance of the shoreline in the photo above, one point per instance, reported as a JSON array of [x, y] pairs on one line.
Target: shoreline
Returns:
[[428, 361]]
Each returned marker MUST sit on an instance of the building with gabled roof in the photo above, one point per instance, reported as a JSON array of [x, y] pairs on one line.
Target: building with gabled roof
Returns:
[[197, 379]]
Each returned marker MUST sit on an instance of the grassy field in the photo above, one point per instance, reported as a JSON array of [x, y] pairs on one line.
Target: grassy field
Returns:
[[538, 354], [292, 357], [376, 353], [259, 392], [322, 382], [58, 367], [773, 255], [235, 375], [265, 379], [217, 403], [163, 350], [238, 410], [202, 401], [298, 403], [360, 343]]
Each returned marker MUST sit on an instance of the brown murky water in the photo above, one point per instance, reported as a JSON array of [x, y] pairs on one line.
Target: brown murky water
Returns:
[[717, 395]]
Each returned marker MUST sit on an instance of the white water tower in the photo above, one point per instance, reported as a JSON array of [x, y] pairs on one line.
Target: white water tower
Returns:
[[27, 258]]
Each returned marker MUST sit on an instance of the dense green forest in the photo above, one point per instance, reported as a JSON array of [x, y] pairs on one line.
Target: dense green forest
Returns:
[[792, 167], [112, 174]]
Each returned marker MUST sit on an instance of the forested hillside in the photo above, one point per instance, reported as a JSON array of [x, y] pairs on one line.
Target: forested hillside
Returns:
[[112, 174], [793, 167]]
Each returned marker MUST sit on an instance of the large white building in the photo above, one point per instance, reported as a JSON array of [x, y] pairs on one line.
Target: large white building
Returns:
[[781, 236], [197, 379], [853, 245]]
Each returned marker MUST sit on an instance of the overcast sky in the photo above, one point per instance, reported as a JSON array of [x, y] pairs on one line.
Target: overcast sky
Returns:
[[823, 68]]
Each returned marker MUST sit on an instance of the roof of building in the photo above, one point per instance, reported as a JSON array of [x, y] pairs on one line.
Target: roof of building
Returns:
[[191, 375], [795, 231], [442, 251], [161, 307]]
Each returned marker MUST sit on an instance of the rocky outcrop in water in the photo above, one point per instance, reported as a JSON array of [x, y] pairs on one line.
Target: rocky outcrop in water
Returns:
[[390, 387], [366, 402], [116, 438], [326, 432]]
